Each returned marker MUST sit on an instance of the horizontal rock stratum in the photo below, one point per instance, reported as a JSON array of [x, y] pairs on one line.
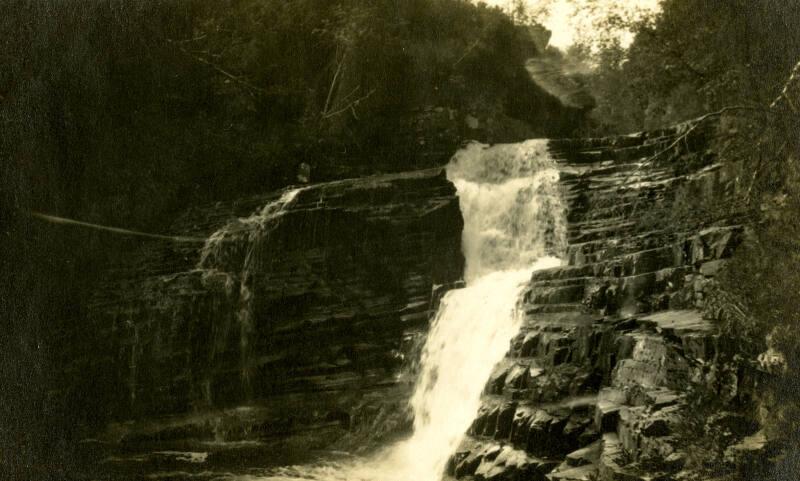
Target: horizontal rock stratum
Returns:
[[337, 286], [595, 384]]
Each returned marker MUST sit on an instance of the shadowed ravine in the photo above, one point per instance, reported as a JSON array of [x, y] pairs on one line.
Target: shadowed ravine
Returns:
[[513, 221]]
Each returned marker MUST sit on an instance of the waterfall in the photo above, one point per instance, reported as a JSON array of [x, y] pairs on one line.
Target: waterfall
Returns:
[[228, 258], [514, 219]]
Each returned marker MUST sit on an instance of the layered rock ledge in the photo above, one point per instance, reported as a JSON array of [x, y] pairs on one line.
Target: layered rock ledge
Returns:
[[595, 384], [344, 281]]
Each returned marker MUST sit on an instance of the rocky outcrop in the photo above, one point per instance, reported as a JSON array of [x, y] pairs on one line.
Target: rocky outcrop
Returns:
[[336, 288], [595, 385], [307, 331]]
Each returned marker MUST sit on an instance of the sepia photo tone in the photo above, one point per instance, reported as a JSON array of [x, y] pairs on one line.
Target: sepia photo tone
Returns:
[[400, 240]]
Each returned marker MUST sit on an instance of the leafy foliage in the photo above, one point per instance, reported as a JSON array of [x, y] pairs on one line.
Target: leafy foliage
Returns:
[[140, 107], [695, 57], [758, 288]]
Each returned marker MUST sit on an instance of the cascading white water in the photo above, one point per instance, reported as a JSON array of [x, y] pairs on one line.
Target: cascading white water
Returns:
[[231, 254], [248, 229], [513, 213], [513, 218]]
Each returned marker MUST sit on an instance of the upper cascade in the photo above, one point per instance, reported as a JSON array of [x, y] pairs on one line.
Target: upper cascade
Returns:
[[513, 212]]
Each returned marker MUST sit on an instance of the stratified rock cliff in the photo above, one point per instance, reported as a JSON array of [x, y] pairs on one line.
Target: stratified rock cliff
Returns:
[[595, 386], [334, 288], [297, 317]]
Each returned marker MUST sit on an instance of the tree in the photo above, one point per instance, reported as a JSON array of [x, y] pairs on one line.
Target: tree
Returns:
[[695, 57]]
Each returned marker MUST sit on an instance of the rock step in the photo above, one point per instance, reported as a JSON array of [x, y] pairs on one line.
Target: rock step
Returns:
[[565, 281], [565, 294], [612, 460], [590, 224], [604, 152], [625, 187], [344, 274], [552, 308], [638, 138], [586, 472], [539, 432], [480, 459], [628, 185], [721, 240], [572, 173], [624, 180]]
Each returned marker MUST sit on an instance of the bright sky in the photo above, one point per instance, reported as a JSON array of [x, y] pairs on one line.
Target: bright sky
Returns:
[[571, 20]]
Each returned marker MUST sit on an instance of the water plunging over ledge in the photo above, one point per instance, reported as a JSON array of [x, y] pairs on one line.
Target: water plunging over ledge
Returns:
[[514, 223], [229, 257]]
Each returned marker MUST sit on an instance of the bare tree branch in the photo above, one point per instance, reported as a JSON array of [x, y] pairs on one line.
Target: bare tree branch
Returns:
[[350, 106], [684, 138], [696, 123], [219, 69], [117, 230], [333, 84], [467, 51]]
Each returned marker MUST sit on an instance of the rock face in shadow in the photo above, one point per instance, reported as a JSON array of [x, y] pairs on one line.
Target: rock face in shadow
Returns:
[[335, 290], [595, 384]]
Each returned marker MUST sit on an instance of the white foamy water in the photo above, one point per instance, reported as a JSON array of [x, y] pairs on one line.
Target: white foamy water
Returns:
[[228, 258], [514, 223], [513, 214], [249, 230]]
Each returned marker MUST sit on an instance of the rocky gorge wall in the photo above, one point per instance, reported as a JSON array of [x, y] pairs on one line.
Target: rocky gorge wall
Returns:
[[346, 278], [599, 382], [595, 386]]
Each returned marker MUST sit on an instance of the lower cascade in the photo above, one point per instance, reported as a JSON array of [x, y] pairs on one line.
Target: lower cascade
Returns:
[[514, 223]]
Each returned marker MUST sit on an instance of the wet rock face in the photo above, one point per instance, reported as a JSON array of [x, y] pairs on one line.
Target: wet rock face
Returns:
[[335, 294], [595, 384]]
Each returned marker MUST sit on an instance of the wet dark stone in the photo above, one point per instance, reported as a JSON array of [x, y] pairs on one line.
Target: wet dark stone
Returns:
[[341, 278]]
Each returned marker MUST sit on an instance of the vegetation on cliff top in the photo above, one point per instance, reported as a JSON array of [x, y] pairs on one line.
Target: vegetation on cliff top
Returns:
[[131, 109], [696, 56]]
